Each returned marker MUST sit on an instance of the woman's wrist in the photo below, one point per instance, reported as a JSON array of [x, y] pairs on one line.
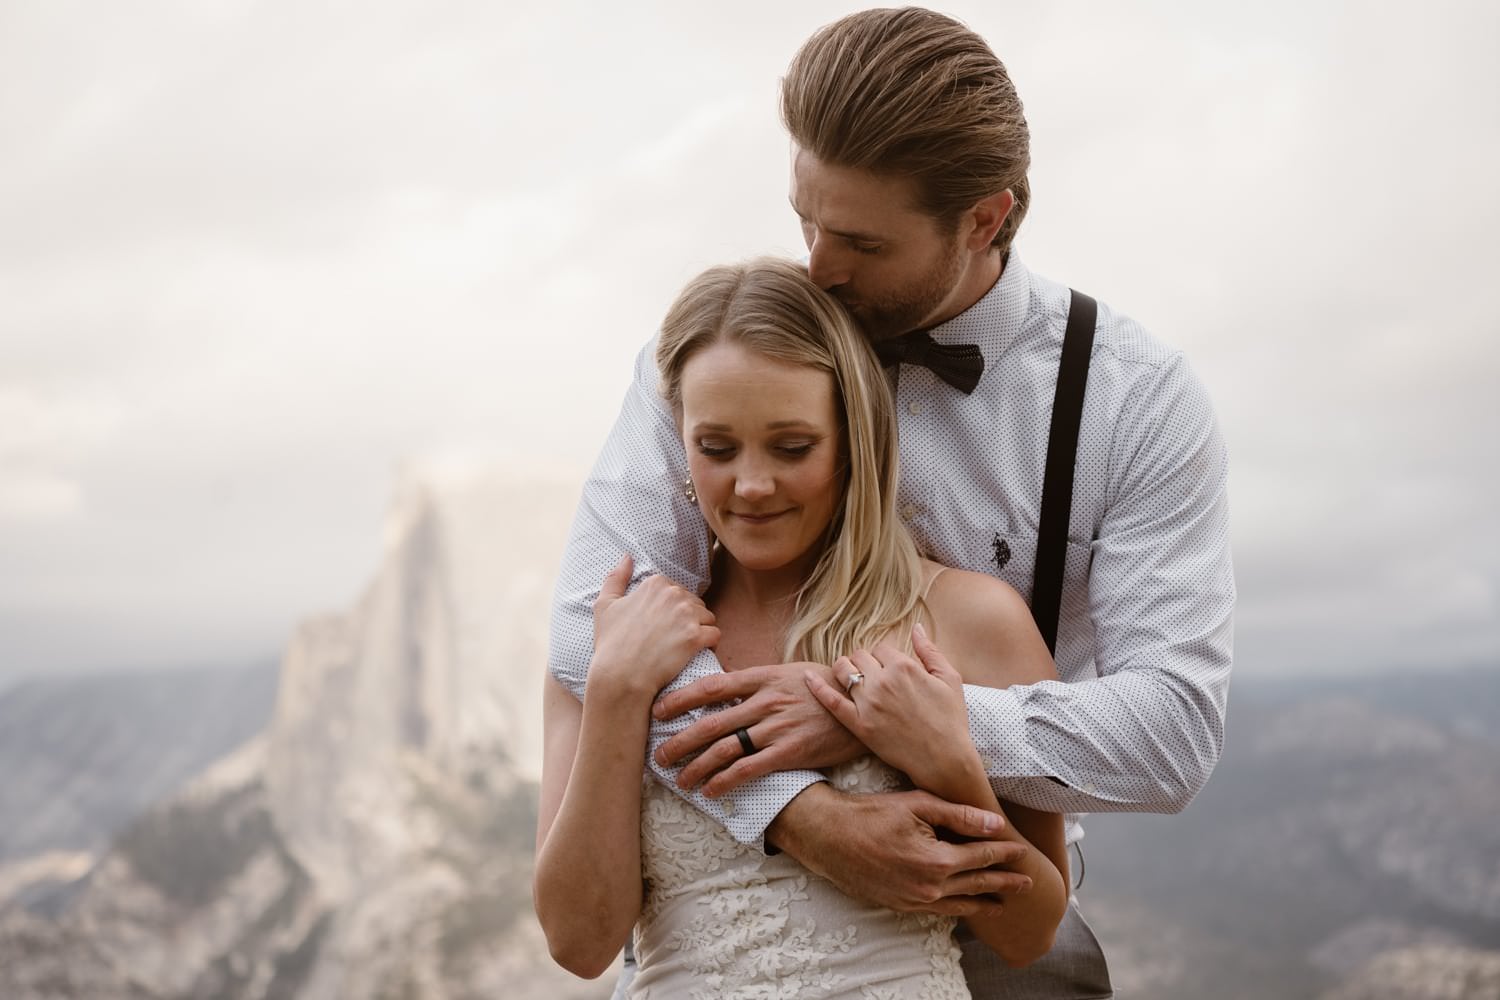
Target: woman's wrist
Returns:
[[957, 777], [618, 678]]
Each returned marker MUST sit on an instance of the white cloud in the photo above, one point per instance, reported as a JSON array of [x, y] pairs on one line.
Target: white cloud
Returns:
[[257, 257], [37, 496], [43, 440]]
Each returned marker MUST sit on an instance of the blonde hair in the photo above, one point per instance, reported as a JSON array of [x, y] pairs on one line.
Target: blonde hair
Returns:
[[867, 582], [912, 93]]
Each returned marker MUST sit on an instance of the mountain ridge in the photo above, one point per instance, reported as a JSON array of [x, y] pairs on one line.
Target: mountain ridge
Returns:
[[373, 837]]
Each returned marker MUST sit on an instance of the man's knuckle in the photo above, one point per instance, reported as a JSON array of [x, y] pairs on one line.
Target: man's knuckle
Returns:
[[928, 893]]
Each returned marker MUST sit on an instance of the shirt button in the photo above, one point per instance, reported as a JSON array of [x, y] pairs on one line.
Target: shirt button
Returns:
[[914, 408], [909, 511], [1090, 788], [729, 807]]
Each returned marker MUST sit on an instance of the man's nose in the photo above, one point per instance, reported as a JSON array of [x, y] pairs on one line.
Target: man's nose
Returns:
[[826, 265]]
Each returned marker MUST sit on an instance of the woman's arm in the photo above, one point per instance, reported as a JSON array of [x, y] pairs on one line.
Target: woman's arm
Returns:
[[910, 711], [587, 885], [989, 634]]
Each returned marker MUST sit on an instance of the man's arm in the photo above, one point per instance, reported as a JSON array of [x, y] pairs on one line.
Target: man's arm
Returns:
[[1145, 735], [633, 503], [884, 848]]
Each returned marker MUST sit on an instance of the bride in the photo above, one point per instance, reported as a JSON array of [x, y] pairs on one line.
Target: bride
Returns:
[[791, 440]]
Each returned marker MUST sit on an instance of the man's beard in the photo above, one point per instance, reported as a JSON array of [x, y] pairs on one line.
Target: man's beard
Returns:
[[906, 309]]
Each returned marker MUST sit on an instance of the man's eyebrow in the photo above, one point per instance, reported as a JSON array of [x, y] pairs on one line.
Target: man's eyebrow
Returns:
[[848, 234]]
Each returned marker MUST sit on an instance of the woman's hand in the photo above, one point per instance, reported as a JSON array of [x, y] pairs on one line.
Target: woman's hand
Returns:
[[908, 710], [643, 639]]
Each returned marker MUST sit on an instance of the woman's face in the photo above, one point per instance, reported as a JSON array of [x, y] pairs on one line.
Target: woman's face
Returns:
[[764, 448]]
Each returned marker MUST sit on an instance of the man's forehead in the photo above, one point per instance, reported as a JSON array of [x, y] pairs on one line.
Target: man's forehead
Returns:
[[850, 201], [854, 225]]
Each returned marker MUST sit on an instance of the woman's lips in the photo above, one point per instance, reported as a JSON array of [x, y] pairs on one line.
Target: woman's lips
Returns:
[[757, 518]]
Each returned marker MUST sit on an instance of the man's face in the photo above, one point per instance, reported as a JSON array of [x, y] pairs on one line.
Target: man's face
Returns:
[[893, 266]]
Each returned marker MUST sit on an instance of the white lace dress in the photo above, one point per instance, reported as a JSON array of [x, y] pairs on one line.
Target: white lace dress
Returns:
[[724, 921]]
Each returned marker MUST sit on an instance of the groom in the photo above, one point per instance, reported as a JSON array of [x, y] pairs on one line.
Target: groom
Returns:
[[909, 174]]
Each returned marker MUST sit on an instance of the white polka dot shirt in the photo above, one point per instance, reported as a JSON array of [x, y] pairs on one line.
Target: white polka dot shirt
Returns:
[[1144, 641]]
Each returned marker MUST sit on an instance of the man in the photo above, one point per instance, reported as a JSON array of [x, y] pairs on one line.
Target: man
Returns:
[[910, 153]]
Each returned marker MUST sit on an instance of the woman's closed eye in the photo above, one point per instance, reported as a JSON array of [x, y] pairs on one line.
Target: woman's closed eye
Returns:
[[792, 450], [715, 449]]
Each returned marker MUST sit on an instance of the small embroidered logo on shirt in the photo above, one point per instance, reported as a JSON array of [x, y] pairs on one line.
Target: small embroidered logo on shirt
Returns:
[[1002, 551]]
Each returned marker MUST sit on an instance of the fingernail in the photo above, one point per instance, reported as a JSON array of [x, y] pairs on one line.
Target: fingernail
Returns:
[[992, 822], [917, 629], [658, 710]]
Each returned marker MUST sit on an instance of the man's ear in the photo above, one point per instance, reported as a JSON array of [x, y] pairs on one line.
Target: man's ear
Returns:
[[986, 218]]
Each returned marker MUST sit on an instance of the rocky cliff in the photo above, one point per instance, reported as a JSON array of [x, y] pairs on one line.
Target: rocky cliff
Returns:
[[376, 839]]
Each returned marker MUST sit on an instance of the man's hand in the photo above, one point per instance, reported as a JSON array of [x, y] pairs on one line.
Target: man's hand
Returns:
[[885, 849], [788, 727]]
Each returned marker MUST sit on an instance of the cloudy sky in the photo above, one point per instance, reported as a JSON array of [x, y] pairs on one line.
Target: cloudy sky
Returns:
[[257, 258]]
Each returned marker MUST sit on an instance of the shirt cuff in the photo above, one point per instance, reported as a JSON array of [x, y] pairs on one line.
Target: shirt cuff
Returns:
[[748, 810]]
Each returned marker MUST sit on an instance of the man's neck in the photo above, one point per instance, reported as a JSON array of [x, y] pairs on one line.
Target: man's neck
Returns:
[[979, 277]]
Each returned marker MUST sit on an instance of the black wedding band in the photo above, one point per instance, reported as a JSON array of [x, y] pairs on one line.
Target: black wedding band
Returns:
[[745, 743]]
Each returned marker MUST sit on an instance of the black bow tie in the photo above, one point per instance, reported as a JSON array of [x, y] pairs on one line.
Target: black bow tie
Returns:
[[960, 365]]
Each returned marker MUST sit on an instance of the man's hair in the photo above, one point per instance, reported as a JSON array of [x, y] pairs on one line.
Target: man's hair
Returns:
[[912, 93], [867, 581]]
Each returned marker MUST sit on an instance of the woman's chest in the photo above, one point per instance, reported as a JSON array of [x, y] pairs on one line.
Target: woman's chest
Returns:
[[747, 640]]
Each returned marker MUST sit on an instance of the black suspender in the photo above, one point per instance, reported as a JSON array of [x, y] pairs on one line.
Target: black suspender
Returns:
[[1062, 451]]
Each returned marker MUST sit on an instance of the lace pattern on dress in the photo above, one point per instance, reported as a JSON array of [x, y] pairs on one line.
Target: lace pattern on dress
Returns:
[[721, 920]]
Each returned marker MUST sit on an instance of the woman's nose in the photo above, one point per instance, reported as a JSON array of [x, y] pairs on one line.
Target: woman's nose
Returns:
[[754, 485]]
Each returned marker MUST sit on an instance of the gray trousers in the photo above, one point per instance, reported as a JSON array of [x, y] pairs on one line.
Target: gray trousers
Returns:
[[1073, 970]]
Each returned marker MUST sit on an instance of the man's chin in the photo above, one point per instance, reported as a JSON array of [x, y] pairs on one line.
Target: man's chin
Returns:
[[876, 325]]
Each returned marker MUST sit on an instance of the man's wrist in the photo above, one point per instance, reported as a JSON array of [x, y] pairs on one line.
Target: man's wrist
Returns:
[[783, 832]]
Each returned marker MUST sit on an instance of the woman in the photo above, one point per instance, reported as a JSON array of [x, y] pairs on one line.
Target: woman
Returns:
[[791, 441]]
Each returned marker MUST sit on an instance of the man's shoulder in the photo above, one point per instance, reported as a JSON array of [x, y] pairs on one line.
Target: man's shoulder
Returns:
[[1132, 372], [1118, 337]]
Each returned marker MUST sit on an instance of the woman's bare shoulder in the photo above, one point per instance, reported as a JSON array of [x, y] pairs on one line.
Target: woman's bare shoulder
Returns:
[[966, 599], [982, 624]]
